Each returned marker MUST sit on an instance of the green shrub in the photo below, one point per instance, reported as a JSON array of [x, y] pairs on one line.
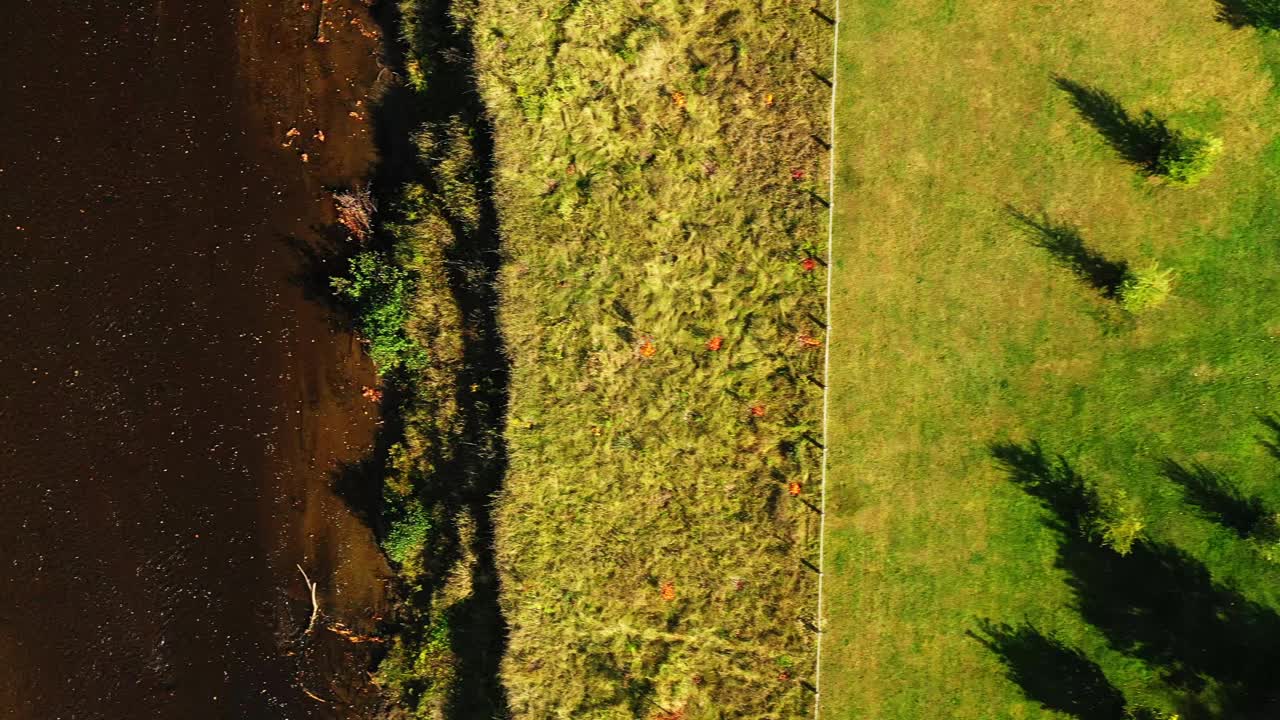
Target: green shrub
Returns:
[[381, 292], [1187, 158], [1146, 289], [420, 670], [1265, 538], [407, 535], [1117, 521]]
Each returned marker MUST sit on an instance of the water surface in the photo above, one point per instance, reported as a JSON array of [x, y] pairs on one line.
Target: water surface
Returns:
[[173, 406]]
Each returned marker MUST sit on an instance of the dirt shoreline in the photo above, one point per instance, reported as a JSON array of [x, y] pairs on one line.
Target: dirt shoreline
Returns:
[[176, 400]]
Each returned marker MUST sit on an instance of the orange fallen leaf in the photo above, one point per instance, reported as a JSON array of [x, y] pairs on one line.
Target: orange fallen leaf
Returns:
[[809, 341], [668, 590]]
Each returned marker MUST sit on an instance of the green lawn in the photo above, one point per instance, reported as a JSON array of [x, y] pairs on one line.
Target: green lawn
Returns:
[[955, 330]]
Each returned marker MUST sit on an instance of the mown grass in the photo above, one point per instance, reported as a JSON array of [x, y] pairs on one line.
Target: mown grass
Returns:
[[954, 586], [654, 170]]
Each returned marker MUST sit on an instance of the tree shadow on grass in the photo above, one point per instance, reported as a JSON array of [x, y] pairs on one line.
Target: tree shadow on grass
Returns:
[[1064, 242], [1249, 13], [1072, 502], [1272, 443], [1059, 677], [1217, 497], [1156, 603], [1160, 604], [1138, 140]]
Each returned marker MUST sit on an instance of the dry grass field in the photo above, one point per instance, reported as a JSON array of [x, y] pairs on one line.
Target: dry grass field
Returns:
[[655, 179]]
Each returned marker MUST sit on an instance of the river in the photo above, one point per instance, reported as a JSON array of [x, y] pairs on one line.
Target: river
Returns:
[[176, 399]]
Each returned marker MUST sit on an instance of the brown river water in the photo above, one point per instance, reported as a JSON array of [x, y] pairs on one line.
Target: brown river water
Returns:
[[175, 399]]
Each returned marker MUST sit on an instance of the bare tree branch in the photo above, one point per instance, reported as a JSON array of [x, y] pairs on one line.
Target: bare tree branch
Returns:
[[312, 695], [315, 604]]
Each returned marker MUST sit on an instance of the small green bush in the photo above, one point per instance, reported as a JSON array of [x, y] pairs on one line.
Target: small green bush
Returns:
[[407, 536], [1265, 538], [1117, 521], [1146, 289], [381, 292], [420, 670], [1187, 158]]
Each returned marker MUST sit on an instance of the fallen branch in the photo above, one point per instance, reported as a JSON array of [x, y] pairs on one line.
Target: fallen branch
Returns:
[[350, 635], [315, 604], [319, 36], [312, 695]]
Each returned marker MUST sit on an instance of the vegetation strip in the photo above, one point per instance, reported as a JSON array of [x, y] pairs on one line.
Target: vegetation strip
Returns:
[[423, 290]]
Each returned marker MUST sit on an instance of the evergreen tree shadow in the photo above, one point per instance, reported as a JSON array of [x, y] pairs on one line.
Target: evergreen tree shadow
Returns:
[[1064, 242], [1071, 501], [1157, 602], [1160, 604], [1138, 140], [1249, 13], [1059, 677], [1272, 444], [1217, 497]]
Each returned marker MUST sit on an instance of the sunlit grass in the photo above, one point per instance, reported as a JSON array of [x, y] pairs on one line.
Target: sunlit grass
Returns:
[[654, 170], [954, 328]]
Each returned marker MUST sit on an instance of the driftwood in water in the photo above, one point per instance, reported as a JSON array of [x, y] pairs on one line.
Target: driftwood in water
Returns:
[[315, 604]]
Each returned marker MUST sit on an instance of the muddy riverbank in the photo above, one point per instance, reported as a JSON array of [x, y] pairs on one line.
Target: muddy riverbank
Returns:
[[176, 401]]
